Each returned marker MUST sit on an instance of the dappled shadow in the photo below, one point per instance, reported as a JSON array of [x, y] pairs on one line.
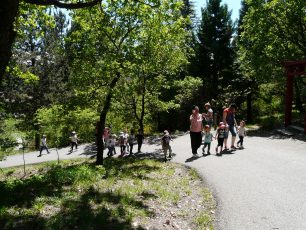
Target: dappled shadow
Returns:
[[93, 210], [119, 168], [274, 134], [155, 140], [90, 150], [22, 193], [89, 213]]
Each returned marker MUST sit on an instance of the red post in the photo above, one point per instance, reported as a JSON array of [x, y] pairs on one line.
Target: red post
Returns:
[[289, 98], [305, 123]]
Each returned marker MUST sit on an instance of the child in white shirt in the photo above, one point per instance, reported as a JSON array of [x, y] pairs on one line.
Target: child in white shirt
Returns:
[[241, 134]]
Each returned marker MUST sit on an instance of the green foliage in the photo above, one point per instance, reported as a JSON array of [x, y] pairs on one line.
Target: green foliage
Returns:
[[187, 89], [27, 76], [214, 52], [82, 195], [57, 122], [273, 31], [10, 136]]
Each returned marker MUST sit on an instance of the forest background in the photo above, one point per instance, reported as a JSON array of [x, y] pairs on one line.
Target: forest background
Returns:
[[133, 64]]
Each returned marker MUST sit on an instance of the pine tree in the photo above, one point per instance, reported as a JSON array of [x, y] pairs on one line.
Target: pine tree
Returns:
[[214, 54]]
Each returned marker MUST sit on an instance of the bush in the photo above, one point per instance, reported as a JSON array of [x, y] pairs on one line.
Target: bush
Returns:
[[57, 123]]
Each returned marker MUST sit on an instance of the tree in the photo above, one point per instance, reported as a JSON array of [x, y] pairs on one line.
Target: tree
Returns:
[[9, 13], [37, 74], [159, 57], [272, 31], [214, 54]]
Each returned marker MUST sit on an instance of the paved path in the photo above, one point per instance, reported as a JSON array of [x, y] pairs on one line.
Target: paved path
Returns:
[[260, 187], [83, 151]]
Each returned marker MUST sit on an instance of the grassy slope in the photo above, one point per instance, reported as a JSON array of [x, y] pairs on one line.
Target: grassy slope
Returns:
[[124, 194]]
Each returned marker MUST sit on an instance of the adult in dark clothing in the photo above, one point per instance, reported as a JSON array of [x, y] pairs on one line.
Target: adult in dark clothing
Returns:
[[139, 138]]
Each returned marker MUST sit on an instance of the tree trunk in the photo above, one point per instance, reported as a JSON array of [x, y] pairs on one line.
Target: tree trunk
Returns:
[[249, 108], [101, 123], [8, 14]]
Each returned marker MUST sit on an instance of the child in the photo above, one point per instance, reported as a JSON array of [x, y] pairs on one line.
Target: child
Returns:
[[74, 140], [126, 136], [226, 136], [106, 134], [220, 136], [166, 144], [111, 145], [43, 145], [131, 140], [122, 143], [207, 139], [241, 134]]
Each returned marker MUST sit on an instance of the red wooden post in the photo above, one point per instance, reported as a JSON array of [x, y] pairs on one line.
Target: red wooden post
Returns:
[[289, 98], [305, 123]]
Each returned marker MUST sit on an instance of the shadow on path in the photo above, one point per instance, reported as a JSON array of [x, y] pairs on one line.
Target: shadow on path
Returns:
[[273, 134]]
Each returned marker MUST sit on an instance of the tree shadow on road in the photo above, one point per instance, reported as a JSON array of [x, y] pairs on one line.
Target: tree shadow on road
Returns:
[[274, 134]]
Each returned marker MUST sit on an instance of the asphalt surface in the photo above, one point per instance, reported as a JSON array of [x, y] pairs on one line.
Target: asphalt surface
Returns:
[[260, 187]]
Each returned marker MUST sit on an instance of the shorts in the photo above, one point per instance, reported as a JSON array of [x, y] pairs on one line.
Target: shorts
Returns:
[[232, 129]]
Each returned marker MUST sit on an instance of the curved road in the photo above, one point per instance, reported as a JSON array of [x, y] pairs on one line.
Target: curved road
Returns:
[[261, 187]]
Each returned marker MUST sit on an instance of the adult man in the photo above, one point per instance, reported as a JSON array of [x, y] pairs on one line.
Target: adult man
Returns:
[[196, 127], [229, 119]]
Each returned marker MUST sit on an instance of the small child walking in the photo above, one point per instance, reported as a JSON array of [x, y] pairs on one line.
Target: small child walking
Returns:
[[122, 143], [165, 141], [220, 137], [241, 134], [207, 139], [111, 142], [43, 145]]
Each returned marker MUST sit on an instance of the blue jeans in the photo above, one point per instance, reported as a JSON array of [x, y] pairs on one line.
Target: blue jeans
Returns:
[[232, 129]]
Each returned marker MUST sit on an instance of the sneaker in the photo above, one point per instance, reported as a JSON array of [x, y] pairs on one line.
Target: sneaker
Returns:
[[208, 153], [39, 156], [233, 147]]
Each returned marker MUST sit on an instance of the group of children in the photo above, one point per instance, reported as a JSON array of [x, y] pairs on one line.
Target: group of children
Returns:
[[125, 141], [222, 136]]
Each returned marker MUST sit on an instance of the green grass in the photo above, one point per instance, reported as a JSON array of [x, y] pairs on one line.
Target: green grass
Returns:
[[79, 195]]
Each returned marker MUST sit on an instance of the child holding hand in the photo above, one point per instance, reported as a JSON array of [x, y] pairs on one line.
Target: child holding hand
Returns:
[[207, 139]]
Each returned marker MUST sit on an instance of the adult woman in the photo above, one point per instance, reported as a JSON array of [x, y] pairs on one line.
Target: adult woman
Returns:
[[229, 119], [208, 116], [196, 127]]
